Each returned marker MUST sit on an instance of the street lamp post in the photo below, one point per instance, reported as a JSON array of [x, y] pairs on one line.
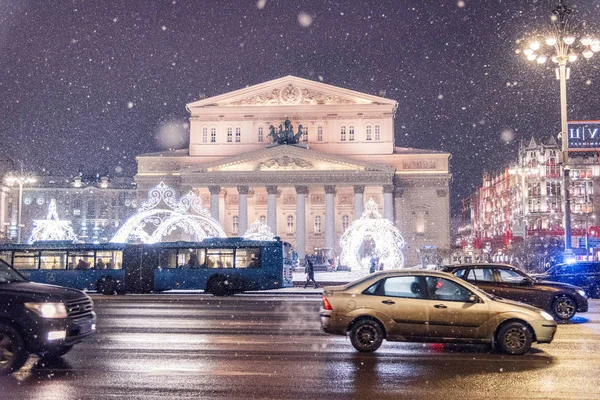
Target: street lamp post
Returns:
[[563, 46], [19, 179]]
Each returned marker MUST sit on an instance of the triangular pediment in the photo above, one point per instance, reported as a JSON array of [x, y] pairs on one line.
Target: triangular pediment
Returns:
[[290, 91], [287, 158]]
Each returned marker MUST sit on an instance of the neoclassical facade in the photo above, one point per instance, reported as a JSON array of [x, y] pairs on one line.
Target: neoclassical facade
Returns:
[[308, 193]]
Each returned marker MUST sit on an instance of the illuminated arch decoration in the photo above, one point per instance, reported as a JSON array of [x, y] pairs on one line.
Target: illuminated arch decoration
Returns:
[[259, 231], [371, 226], [51, 228], [152, 224]]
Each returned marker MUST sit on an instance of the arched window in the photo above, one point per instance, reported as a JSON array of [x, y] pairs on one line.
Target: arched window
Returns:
[[261, 133], [235, 224], [345, 222], [369, 132], [229, 135], [290, 224], [377, 132], [213, 135], [305, 133], [262, 219], [204, 134], [420, 223], [351, 133], [318, 225], [238, 134], [343, 133], [319, 134]]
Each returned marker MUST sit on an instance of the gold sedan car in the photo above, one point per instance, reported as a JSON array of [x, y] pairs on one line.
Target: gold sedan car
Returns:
[[430, 306]]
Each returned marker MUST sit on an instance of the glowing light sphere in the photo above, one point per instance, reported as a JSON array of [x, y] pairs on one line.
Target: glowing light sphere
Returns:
[[51, 228], [152, 224], [259, 231], [371, 226]]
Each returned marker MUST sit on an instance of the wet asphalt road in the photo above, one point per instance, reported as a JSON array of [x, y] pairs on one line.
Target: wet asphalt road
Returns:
[[270, 347]]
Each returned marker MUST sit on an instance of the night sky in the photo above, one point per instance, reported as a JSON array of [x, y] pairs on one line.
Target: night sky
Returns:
[[88, 85]]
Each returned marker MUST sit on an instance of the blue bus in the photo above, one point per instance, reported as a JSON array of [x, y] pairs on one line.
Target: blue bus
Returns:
[[221, 266]]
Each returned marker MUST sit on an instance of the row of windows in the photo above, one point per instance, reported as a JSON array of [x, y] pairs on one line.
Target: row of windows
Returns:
[[318, 223], [371, 133]]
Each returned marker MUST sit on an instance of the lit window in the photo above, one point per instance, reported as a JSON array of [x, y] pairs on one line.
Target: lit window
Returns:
[[235, 225], [238, 134], [261, 134], [369, 131], [345, 222], [229, 135], [343, 133], [377, 132], [420, 223], [351, 133], [318, 224], [290, 224], [204, 135], [262, 219], [319, 133], [213, 135]]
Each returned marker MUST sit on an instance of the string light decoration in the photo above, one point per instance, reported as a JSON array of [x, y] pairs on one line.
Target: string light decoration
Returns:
[[259, 231], [51, 228], [371, 226], [152, 224]]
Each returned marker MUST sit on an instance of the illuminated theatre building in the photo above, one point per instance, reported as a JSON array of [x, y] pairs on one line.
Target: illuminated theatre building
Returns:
[[307, 193]]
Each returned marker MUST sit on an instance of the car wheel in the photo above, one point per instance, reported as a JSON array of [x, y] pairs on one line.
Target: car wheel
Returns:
[[12, 350], [514, 338], [564, 307], [366, 335], [61, 351], [106, 285], [218, 286]]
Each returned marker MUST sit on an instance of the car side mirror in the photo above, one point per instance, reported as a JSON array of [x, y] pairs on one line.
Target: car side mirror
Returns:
[[474, 299], [526, 282]]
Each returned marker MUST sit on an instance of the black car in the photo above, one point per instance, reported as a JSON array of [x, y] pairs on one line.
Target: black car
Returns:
[[560, 299], [39, 319], [583, 274]]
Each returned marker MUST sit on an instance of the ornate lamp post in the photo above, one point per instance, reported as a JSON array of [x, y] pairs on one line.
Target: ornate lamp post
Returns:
[[561, 45], [20, 179]]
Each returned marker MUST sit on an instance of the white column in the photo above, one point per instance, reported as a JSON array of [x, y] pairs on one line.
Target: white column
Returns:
[[359, 191], [272, 208], [214, 201], [301, 192], [243, 209], [330, 216], [388, 202]]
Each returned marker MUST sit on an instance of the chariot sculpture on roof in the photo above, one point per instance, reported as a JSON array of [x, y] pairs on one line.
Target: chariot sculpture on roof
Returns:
[[285, 134]]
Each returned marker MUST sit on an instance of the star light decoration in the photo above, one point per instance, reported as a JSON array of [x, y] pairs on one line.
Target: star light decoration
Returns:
[[372, 226], [259, 231], [51, 228], [152, 224]]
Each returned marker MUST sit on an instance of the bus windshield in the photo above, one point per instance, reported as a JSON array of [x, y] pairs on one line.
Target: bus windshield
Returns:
[[8, 275]]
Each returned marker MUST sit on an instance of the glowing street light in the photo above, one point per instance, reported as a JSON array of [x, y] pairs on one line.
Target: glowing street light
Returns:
[[562, 47], [19, 178]]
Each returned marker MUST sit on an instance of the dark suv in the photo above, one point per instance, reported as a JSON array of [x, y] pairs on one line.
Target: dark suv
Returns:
[[560, 299], [584, 274], [40, 319]]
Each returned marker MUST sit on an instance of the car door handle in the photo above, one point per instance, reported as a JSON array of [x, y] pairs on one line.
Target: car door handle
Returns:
[[388, 302], [439, 306]]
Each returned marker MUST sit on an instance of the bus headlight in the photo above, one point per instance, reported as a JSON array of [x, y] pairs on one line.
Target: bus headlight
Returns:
[[48, 310]]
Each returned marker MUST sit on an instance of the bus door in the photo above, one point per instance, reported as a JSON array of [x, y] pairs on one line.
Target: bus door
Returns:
[[139, 262]]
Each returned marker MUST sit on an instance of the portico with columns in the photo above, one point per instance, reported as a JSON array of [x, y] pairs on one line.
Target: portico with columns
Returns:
[[307, 193]]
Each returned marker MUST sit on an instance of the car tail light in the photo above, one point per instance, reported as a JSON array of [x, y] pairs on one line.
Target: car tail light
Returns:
[[326, 304]]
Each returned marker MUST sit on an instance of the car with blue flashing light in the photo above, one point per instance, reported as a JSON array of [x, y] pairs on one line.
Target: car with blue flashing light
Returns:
[[39, 319], [430, 306], [585, 274]]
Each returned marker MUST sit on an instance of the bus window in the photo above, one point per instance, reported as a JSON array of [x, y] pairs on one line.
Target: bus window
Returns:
[[219, 258], [109, 259], [191, 258], [247, 258], [167, 258], [26, 259], [80, 259], [53, 260]]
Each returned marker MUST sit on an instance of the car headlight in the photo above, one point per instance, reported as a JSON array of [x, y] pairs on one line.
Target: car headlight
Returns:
[[48, 310], [547, 316], [581, 292]]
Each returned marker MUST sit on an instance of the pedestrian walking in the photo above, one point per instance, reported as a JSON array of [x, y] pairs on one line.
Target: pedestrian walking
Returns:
[[309, 269]]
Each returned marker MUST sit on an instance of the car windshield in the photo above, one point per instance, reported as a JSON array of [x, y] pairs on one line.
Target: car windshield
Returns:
[[7, 274]]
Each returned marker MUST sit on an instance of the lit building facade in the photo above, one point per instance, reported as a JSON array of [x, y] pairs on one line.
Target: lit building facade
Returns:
[[308, 193]]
